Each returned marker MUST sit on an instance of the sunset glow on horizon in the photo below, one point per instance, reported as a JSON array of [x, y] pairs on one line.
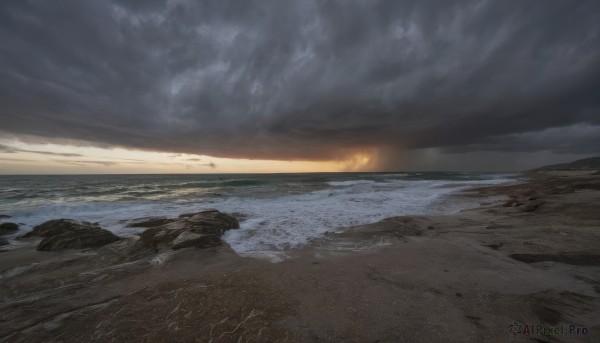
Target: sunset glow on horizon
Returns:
[[23, 158]]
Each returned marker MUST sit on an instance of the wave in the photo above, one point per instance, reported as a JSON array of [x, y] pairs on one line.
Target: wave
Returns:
[[350, 183], [282, 212]]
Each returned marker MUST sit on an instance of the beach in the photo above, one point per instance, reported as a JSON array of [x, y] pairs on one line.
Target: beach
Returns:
[[306, 171], [521, 266]]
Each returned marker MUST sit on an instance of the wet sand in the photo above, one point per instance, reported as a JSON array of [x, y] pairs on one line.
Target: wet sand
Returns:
[[532, 259]]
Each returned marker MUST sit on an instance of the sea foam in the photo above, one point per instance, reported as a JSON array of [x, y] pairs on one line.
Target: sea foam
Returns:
[[279, 212]]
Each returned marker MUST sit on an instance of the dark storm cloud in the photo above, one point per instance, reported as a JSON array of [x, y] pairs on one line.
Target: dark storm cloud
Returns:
[[303, 79]]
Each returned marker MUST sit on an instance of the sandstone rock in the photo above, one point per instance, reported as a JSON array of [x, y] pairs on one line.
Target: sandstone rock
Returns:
[[8, 228], [70, 234], [202, 229]]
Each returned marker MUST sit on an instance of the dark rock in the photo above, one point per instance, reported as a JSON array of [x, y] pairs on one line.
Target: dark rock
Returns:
[[77, 240], [70, 234], [239, 216], [161, 236], [8, 228], [512, 203], [531, 206], [202, 229], [567, 258], [495, 246], [188, 239], [547, 314], [150, 222], [55, 227], [563, 189], [188, 215]]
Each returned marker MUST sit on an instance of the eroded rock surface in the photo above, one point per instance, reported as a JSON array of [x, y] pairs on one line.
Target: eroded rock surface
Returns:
[[202, 229], [70, 234], [8, 228]]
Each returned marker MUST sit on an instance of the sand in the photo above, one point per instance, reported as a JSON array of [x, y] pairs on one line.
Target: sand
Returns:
[[460, 278]]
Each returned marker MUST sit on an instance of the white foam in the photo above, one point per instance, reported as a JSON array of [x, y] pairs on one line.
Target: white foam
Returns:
[[350, 183], [291, 221], [276, 223]]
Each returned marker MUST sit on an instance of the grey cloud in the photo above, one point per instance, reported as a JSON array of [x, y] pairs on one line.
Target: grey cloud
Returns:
[[15, 160], [10, 150], [302, 80], [87, 163], [100, 162], [579, 138], [130, 161], [7, 149], [190, 166]]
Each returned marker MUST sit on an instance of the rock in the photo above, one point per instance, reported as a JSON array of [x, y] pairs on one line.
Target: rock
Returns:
[[202, 230], [189, 239], [150, 222], [532, 206], [211, 222], [398, 227], [8, 228], [70, 234], [578, 259], [512, 203], [162, 236], [495, 246]]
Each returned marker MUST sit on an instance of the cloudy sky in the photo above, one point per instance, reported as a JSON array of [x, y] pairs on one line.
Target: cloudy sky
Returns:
[[226, 86]]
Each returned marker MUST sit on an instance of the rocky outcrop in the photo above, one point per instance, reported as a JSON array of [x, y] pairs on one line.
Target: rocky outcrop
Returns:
[[531, 206], [70, 234], [202, 230], [524, 205], [8, 228], [579, 259], [150, 222], [398, 227]]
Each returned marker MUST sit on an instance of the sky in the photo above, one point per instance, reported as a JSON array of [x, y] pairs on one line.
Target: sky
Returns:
[[177, 86]]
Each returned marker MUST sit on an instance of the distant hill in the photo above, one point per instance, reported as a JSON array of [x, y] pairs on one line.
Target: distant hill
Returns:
[[591, 163]]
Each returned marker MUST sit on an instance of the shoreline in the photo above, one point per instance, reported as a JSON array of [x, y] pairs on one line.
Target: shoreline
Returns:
[[277, 213], [466, 277]]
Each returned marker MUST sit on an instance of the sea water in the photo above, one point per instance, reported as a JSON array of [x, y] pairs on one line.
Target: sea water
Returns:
[[277, 211]]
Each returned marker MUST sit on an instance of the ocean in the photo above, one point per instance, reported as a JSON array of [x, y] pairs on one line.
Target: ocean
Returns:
[[277, 211]]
